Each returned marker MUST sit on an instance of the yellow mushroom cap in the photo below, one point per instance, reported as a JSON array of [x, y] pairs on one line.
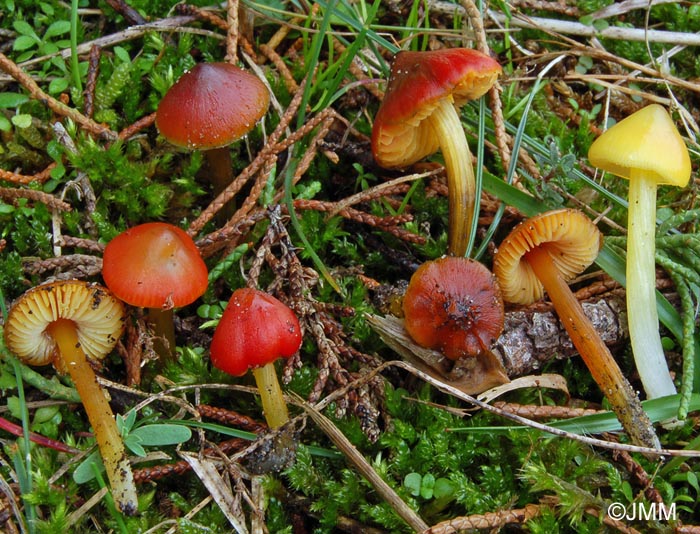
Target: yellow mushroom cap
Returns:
[[98, 317], [646, 140], [573, 243]]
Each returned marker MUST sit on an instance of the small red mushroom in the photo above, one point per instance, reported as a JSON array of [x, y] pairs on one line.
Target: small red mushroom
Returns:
[[210, 107], [453, 305], [255, 330], [155, 266]]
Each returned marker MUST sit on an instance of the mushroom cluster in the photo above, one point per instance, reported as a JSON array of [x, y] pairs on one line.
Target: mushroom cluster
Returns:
[[65, 324]]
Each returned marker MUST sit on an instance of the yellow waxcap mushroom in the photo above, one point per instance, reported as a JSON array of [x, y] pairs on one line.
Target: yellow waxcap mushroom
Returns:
[[646, 140], [646, 149]]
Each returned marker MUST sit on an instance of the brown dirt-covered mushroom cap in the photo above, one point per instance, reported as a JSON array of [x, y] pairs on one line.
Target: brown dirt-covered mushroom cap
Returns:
[[98, 317], [453, 305], [573, 243], [417, 84], [211, 106]]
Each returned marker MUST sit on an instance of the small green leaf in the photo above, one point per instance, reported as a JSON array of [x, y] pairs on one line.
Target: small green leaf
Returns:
[[58, 85], [12, 100], [24, 42], [57, 28], [22, 121], [162, 434], [85, 472], [412, 482], [134, 444], [427, 486], [24, 28]]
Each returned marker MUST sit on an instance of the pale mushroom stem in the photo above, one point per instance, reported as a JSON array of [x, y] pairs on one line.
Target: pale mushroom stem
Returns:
[[642, 316], [99, 414], [593, 351], [273, 404], [461, 184], [163, 331]]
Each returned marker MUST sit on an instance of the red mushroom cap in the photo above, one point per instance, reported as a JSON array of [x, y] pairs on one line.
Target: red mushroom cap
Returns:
[[154, 265], [453, 305], [418, 82], [255, 329], [211, 106]]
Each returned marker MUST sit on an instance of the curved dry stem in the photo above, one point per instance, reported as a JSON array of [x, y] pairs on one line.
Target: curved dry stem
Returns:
[[595, 353], [99, 414], [274, 406], [461, 184]]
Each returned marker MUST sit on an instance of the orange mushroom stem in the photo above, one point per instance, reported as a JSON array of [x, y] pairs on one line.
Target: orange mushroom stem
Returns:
[[593, 350], [99, 413]]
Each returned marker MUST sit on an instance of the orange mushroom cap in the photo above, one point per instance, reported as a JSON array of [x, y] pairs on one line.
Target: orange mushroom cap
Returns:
[[453, 305], [255, 329], [573, 243], [154, 265], [418, 81], [211, 106]]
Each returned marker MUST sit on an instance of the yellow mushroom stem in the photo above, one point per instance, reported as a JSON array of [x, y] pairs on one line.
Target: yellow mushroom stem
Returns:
[[99, 414], [593, 351], [274, 406], [642, 316], [461, 184], [164, 332]]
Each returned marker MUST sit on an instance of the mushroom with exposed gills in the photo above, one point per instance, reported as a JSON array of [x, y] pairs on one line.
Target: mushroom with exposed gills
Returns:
[[646, 149], [66, 323], [419, 115], [255, 330], [210, 107], [542, 253], [155, 266], [453, 305]]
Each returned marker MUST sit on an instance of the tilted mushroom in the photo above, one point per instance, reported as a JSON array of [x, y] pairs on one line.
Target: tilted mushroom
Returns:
[[646, 149], [210, 107], [419, 115], [65, 324], [255, 330], [155, 266], [543, 253]]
